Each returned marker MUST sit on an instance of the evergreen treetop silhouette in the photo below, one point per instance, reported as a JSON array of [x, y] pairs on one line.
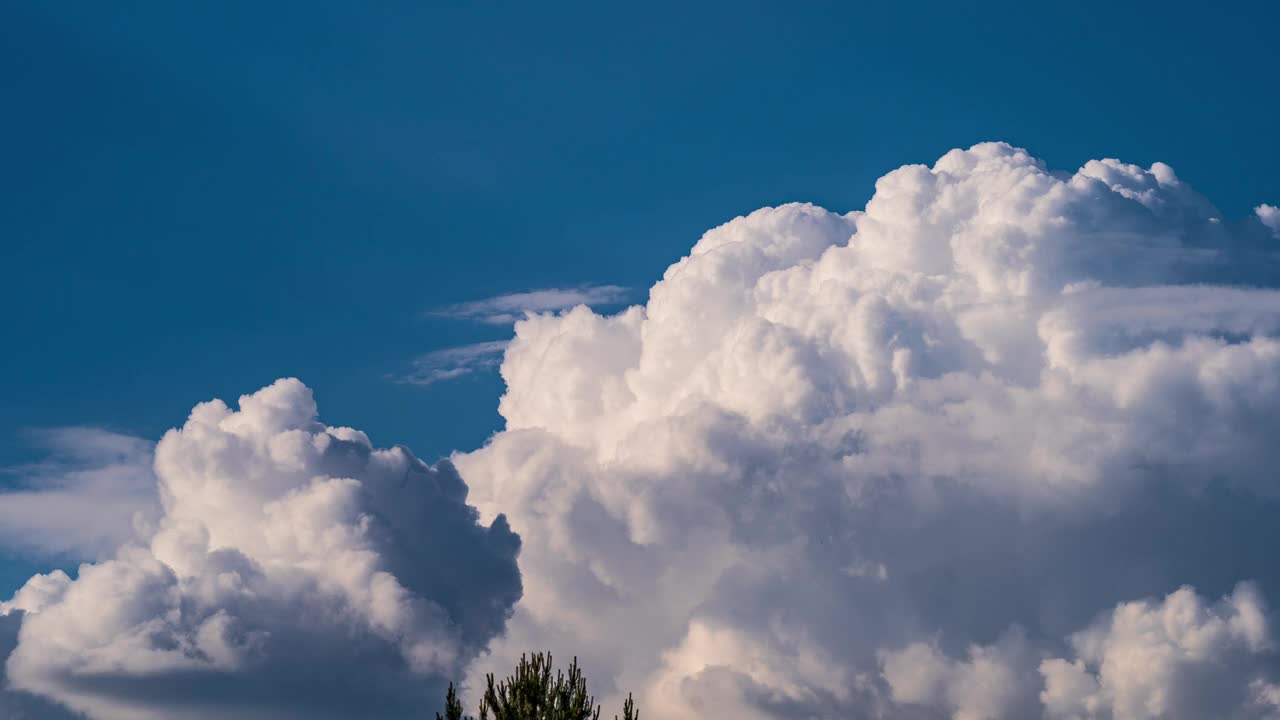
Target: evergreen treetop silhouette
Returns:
[[532, 694]]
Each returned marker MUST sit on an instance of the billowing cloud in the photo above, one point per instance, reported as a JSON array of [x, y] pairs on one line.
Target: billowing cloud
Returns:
[[294, 571], [889, 463], [506, 309], [988, 448], [90, 494], [1177, 658], [996, 681]]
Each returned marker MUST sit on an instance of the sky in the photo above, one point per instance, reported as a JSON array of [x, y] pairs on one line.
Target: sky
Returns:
[[202, 199]]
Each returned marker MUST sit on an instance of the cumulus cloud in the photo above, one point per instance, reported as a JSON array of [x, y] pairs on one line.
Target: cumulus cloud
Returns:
[[506, 309], [91, 493], [882, 463], [985, 448], [1176, 658], [991, 682], [453, 363], [295, 571], [1180, 658]]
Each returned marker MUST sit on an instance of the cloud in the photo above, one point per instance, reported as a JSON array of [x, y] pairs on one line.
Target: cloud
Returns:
[[1176, 658], [996, 681], [456, 362], [506, 309], [295, 571], [453, 363], [90, 494], [1270, 216], [965, 420], [982, 449], [17, 704], [1180, 658]]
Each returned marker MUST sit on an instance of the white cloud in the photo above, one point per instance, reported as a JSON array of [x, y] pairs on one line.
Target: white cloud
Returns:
[[506, 309], [296, 571], [1270, 216], [91, 493], [1179, 658], [1176, 658], [453, 363], [875, 464], [457, 362], [996, 681], [16, 704], [1019, 395], [38, 592]]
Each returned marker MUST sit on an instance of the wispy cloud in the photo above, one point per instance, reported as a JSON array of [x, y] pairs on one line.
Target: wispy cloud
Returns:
[[506, 309], [455, 362], [452, 363], [84, 498]]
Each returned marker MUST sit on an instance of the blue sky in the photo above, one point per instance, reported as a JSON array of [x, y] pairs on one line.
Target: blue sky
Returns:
[[201, 198]]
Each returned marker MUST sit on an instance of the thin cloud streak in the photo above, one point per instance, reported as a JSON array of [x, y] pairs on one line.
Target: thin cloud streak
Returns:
[[452, 363], [508, 308]]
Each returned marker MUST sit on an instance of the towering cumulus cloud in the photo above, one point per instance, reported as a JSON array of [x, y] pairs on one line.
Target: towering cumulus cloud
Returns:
[[295, 571], [1001, 445]]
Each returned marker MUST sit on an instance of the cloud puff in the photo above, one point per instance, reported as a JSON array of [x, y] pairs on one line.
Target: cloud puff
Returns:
[[295, 571], [85, 499], [1179, 658], [1270, 216], [506, 309], [996, 681], [966, 420]]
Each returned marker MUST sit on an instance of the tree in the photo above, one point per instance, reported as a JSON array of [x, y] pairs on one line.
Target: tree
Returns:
[[452, 706], [532, 694]]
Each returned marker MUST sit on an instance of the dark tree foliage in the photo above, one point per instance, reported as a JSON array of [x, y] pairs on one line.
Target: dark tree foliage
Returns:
[[452, 706], [533, 694]]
